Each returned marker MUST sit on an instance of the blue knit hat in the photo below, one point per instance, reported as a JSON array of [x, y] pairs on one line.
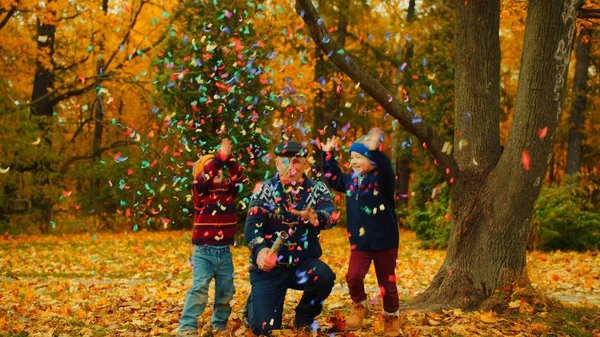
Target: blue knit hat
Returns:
[[359, 147]]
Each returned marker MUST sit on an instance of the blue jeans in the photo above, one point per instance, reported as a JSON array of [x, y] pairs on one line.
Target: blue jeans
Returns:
[[265, 304], [209, 262]]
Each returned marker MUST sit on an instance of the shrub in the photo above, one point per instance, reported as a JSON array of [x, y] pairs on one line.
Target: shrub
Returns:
[[431, 224], [563, 220]]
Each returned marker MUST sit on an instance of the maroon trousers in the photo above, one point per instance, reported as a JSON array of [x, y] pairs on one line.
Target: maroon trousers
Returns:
[[385, 268]]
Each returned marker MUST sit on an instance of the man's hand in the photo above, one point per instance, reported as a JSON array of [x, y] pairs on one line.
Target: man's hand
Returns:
[[307, 214], [330, 144], [225, 148], [265, 260]]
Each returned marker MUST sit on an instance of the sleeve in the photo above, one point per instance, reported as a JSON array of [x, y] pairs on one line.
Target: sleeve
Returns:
[[204, 180], [334, 175], [387, 176], [324, 207], [236, 174], [255, 221]]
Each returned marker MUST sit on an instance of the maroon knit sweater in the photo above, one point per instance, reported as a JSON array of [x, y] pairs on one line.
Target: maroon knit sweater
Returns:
[[215, 216]]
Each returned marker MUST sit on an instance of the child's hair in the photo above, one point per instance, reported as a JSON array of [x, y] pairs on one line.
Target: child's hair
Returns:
[[200, 163]]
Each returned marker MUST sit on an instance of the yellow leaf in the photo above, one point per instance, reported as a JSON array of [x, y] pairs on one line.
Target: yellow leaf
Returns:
[[514, 304], [488, 317]]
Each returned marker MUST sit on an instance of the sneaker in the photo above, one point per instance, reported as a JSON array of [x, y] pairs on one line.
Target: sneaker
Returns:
[[187, 333], [360, 311], [391, 325]]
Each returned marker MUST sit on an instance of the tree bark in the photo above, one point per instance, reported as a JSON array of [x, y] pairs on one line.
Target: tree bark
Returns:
[[43, 108], [582, 59], [403, 163], [492, 212], [44, 79], [494, 191]]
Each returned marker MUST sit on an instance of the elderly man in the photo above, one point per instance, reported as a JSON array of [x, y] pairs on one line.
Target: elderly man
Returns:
[[293, 206]]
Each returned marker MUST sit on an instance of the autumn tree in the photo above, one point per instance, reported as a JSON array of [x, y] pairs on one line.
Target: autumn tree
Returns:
[[493, 191], [83, 52]]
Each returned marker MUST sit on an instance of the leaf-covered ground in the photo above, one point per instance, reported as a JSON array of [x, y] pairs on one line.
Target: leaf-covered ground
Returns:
[[134, 284]]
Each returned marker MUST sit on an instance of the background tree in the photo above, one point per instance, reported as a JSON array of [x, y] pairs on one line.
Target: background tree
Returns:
[[213, 83], [65, 81]]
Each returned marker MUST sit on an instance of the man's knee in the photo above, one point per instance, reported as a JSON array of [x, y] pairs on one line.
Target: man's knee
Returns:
[[327, 278]]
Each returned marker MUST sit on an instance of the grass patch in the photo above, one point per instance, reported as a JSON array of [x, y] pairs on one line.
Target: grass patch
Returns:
[[574, 321], [76, 322], [99, 331]]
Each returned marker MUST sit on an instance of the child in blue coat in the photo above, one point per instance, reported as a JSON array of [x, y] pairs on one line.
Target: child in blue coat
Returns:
[[372, 224]]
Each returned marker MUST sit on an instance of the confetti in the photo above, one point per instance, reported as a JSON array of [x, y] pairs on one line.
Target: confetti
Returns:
[[525, 160]]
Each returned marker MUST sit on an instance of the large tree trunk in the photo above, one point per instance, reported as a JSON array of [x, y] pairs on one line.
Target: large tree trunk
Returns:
[[582, 59], [43, 80], [42, 109], [492, 192], [493, 204]]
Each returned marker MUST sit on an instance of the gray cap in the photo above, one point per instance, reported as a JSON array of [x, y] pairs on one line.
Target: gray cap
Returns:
[[291, 148]]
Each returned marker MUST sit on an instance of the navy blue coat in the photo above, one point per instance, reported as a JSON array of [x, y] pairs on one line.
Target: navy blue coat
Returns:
[[268, 215], [370, 203]]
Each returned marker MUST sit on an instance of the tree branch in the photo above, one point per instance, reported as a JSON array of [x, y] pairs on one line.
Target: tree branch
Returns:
[[9, 14], [96, 153], [430, 139], [378, 54], [131, 26], [589, 13]]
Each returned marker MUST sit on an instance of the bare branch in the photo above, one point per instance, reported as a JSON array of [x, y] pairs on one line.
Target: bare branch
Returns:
[[589, 13], [96, 153], [76, 133], [378, 54], [131, 25], [9, 14], [431, 140]]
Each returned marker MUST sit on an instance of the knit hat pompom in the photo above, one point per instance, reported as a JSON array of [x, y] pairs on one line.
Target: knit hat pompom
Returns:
[[200, 163], [359, 147]]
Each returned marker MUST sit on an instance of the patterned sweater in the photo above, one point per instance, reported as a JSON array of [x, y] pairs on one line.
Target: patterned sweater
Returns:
[[269, 214], [215, 216]]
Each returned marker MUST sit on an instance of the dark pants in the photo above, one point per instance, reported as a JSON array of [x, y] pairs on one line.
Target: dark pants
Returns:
[[265, 303], [385, 268]]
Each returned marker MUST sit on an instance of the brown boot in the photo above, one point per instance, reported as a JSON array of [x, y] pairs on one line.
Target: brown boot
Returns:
[[391, 325], [354, 321]]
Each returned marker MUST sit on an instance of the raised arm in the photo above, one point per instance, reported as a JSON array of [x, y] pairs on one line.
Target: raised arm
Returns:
[[384, 165], [336, 179]]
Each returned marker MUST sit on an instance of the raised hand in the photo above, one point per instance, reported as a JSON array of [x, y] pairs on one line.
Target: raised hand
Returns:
[[372, 141], [225, 148], [330, 144], [307, 214]]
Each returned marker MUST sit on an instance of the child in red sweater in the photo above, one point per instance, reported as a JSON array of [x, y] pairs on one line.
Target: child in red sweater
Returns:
[[215, 221]]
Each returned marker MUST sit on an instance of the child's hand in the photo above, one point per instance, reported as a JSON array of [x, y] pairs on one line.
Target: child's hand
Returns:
[[372, 141], [307, 214], [225, 148], [330, 144]]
